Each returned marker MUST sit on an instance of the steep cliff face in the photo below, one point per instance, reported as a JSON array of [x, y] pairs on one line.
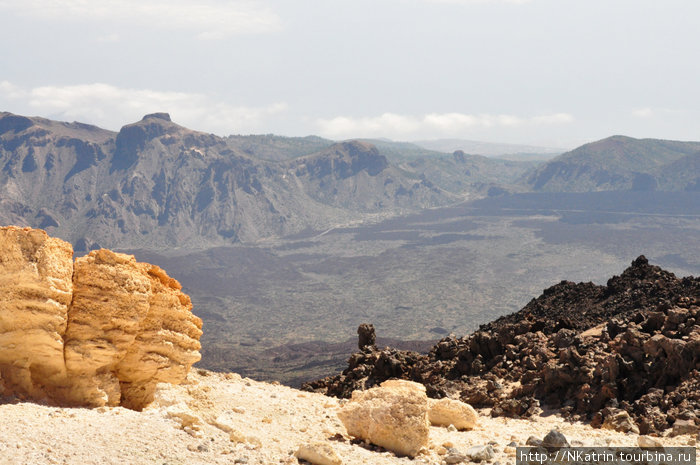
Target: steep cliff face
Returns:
[[101, 331]]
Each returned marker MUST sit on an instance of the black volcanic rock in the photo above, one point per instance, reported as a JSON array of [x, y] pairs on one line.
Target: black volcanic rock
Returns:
[[584, 349]]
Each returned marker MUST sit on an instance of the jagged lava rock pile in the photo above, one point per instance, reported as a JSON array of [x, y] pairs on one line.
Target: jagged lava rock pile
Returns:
[[625, 356], [102, 330]]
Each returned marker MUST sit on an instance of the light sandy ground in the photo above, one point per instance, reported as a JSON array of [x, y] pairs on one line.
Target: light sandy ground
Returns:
[[223, 419]]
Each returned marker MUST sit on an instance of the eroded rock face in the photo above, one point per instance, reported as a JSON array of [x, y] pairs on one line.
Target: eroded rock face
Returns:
[[36, 288], [101, 331], [393, 415]]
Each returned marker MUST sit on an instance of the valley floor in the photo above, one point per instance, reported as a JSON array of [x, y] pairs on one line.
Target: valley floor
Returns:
[[221, 418]]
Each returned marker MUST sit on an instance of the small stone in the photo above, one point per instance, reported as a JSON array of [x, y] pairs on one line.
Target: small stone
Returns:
[[455, 458], [203, 448], [533, 441], [648, 441], [481, 453], [684, 427], [622, 422], [441, 450], [318, 453], [451, 428], [555, 439], [448, 444], [241, 460]]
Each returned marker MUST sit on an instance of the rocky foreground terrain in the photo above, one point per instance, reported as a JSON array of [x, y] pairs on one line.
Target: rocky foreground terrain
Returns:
[[95, 358], [218, 418], [625, 356]]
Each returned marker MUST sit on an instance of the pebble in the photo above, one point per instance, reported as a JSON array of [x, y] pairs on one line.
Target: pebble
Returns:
[[648, 441], [555, 439], [684, 427], [481, 453], [452, 458]]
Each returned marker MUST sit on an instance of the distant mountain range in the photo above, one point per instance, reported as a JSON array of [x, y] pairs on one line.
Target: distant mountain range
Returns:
[[621, 163], [156, 184], [490, 149]]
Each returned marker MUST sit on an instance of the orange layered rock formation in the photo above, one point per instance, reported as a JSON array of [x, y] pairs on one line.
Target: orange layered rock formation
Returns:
[[101, 331]]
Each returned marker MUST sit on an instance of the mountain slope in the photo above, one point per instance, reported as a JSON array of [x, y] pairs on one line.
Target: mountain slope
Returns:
[[354, 175], [618, 163], [158, 184]]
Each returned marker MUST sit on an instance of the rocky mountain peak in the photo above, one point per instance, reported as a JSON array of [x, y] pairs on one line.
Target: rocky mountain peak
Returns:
[[356, 147], [10, 122], [159, 115]]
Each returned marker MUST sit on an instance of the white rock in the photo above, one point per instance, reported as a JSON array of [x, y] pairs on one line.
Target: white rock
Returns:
[[648, 441], [444, 412], [318, 453], [393, 416]]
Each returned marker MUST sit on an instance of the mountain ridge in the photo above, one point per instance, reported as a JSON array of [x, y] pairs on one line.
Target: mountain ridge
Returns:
[[158, 184], [616, 163]]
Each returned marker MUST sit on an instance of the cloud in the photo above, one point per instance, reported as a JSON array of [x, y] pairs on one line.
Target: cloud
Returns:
[[207, 19], [643, 113], [394, 125], [556, 118], [111, 107]]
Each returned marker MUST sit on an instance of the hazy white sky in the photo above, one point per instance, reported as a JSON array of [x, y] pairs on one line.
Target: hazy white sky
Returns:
[[546, 72]]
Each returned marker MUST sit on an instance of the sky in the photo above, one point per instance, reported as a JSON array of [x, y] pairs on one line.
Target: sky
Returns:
[[554, 73]]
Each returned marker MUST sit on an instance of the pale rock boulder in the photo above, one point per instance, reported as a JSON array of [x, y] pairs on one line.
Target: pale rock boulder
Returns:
[[318, 453], [445, 412], [35, 292], [393, 415]]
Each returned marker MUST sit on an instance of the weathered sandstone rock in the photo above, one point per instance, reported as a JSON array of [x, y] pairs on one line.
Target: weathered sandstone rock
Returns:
[[445, 412], [393, 415], [35, 291], [166, 344], [110, 300], [102, 331]]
